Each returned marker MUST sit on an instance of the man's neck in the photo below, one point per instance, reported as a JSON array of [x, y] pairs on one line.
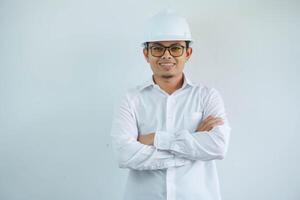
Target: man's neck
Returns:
[[169, 85]]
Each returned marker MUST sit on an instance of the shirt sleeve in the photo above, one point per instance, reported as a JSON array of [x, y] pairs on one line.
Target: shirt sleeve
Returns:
[[131, 153], [204, 145]]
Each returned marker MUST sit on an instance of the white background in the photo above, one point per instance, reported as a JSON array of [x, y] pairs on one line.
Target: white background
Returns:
[[64, 65]]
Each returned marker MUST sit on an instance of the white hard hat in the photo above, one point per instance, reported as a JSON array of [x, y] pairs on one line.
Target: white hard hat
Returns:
[[166, 26]]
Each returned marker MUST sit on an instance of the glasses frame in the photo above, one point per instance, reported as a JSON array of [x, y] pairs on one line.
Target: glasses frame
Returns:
[[165, 48]]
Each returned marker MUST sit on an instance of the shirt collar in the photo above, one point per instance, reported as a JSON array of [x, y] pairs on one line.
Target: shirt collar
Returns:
[[150, 82]]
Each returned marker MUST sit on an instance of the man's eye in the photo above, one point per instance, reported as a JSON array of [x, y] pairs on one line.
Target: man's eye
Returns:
[[176, 48], [157, 48]]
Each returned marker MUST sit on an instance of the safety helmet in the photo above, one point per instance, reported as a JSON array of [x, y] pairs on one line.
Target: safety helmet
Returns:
[[166, 25]]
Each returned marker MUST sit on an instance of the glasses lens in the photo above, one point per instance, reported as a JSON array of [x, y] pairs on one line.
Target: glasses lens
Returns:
[[157, 50], [176, 50]]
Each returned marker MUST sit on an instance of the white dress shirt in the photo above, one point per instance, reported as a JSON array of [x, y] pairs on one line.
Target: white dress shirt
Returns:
[[181, 163]]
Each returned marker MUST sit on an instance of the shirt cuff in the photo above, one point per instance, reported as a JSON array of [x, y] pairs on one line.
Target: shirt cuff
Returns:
[[162, 140]]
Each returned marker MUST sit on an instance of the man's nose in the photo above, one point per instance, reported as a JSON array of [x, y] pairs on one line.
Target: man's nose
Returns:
[[167, 55]]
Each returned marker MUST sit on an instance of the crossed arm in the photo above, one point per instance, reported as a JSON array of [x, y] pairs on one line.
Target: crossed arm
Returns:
[[161, 149], [206, 125]]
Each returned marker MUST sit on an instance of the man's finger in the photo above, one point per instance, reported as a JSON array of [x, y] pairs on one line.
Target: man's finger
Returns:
[[209, 119], [209, 124], [214, 121]]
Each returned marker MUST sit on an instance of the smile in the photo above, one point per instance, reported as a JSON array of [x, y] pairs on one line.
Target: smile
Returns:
[[167, 66]]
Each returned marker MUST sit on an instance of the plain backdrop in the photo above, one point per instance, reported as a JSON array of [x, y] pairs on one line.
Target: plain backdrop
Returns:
[[65, 64]]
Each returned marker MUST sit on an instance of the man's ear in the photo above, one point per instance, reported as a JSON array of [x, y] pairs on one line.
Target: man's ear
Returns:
[[146, 54], [189, 53]]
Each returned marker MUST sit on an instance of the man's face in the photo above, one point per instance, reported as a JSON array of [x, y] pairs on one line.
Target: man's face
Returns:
[[167, 65]]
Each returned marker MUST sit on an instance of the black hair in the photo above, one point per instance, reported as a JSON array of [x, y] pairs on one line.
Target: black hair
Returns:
[[187, 43], [146, 44]]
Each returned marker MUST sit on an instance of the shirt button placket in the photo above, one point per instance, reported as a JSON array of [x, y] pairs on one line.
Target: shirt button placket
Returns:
[[169, 115], [171, 171]]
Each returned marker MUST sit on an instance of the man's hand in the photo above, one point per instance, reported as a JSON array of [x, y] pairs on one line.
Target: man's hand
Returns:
[[209, 123], [146, 139]]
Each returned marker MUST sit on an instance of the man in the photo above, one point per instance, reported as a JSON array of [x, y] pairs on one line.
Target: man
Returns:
[[169, 131]]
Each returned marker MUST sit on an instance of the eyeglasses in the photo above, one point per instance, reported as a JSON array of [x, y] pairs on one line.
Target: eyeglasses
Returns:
[[159, 50]]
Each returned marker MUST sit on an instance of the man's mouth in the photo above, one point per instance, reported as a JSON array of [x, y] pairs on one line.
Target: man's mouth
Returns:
[[167, 66]]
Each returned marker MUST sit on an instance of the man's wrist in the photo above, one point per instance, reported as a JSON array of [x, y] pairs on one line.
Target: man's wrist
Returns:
[[147, 139]]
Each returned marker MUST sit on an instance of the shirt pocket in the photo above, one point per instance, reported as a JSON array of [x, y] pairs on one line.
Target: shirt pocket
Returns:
[[192, 120]]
